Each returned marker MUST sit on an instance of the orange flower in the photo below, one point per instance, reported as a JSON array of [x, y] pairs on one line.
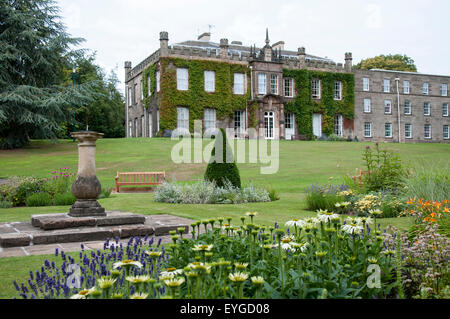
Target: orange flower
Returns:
[[437, 205], [446, 210]]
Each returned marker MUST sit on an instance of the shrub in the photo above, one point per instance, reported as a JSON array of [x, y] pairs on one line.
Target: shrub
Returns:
[[220, 169], [325, 197], [64, 199], [106, 191], [39, 199], [5, 204], [384, 171], [206, 192], [336, 138], [429, 182], [60, 182], [17, 189], [273, 194]]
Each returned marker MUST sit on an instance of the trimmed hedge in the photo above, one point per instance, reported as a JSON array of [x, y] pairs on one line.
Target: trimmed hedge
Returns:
[[226, 168]]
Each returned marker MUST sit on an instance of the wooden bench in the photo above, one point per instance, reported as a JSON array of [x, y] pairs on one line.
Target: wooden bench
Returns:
[[139, 179]]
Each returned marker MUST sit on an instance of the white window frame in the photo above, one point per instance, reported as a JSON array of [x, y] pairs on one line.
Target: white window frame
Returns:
[[406, 87], [338, 124], [315, 89], [289, 87], [367, 128], [239, 83], [130, 128], [387, 104], [367, 105], [426, 108], [136, 127], [425, 131], [444, 89], [134, 93], [386, 85], [149, 86], [183, 119], [209, 119], [338, 90], [445, 109], [150, 124], [274, 84], [445, 132], [425, 88], [239, 122], [262, 83], [210, 81], [130, 102], [388, 130], [182, 79], [158, 81], [409, 107], [408, 130], [142, 89], [366, 84]]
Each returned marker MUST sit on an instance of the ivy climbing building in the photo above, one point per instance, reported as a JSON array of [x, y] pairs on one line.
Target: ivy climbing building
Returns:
[[281, 94]]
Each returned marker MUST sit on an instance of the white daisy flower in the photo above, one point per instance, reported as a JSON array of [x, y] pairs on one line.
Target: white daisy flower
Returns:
[[295, 223], [352, 228], [127, 263]]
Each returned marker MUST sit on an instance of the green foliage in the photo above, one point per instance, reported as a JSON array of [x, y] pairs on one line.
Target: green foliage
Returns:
[[39, 199], [17, 189], [384, 170], [196, 99], [34, 52], [64, 199], [105, 112], [428, 181], [395, 62], [5, 204], [323, 198], [149, 73], [303, 106], [273, 194], [222, 167], [106, 191]]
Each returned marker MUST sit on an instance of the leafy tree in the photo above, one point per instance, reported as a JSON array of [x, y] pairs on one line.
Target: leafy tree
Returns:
[[222, 167], [106, 112], [396, 62], [34, 51]]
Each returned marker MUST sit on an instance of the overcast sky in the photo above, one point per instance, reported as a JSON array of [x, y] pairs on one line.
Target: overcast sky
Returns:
[[128, 30]]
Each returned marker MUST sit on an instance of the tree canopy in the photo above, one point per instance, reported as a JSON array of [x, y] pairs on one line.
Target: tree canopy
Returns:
[[395, 62], [35, 53]]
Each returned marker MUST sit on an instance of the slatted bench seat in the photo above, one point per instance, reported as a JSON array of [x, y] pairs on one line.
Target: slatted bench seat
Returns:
[[139, 179]]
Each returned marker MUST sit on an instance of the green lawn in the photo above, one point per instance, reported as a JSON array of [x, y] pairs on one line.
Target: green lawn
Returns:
[[301, 164]]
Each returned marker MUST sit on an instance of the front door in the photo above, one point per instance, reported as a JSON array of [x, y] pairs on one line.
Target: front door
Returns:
[[268, 125], [289, 126], [317, 124]]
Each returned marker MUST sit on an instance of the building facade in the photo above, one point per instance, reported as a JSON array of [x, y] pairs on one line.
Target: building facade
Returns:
[[282, 94]]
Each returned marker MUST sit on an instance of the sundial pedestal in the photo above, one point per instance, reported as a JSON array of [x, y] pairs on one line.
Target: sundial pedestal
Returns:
[[86, 187]]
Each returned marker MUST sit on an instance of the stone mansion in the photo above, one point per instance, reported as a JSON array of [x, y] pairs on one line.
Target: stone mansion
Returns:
[[283, 94]]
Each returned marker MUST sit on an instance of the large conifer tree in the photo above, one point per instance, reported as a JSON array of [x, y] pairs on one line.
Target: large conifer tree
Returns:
[[35, 49]]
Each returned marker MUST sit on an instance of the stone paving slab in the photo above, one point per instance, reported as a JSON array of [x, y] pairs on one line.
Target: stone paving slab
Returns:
[[68, 247], [24, 235]]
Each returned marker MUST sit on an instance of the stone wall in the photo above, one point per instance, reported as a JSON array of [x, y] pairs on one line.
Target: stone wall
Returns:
[[417, 119]]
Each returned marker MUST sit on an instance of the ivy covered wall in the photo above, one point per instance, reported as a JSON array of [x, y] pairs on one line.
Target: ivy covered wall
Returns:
[[196, 99], [303, 105]]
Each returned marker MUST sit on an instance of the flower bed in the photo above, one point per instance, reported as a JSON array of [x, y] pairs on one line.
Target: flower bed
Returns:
[[320, 257], [206, 192]]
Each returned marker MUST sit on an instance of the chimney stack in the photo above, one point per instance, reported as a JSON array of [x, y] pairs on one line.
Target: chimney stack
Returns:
[[224, 48], [163, 43], [348, 62], [301, 57]]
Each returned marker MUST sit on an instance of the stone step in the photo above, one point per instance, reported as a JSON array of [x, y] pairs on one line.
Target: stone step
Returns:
[[23, 234], [63, 221]]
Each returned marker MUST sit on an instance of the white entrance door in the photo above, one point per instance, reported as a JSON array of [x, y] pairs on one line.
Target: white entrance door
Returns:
[[289, 126], [150, 125], [268, 125], [317, 124]]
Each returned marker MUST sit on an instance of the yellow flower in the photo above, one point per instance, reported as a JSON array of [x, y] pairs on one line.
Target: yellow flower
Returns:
[[238, 276], [106, 282], [174, 282], [257, 280], [139, 296], [240, 265]]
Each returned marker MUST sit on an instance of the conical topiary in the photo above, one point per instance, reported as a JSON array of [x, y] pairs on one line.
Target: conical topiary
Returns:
[[222, 168]]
